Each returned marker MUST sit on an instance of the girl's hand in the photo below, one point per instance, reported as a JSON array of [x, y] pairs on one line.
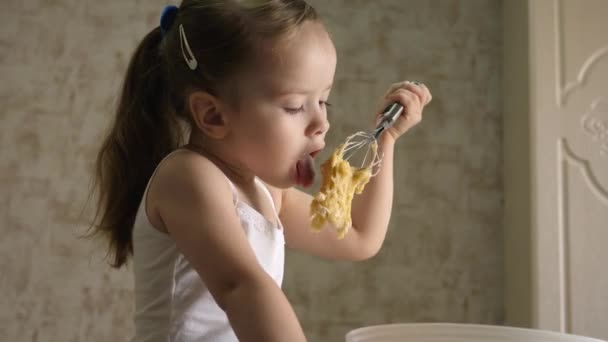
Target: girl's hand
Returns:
[[413, 96]]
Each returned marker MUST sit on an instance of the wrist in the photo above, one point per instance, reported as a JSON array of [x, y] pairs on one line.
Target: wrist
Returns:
[[386, 140]]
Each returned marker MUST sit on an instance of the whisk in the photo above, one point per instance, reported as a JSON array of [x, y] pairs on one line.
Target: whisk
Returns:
[[361, 148], [342, 179]]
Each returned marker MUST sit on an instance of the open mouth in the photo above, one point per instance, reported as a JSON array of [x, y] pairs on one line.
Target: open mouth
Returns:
[[305, 169]]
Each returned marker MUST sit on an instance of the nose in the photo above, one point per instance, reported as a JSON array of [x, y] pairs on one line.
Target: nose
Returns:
[[319, 125]]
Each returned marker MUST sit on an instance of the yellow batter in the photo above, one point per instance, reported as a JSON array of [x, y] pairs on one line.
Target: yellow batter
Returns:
[[340, 182]]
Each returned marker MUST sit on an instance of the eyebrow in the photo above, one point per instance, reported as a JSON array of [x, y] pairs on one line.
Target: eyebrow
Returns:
[[302, 91]]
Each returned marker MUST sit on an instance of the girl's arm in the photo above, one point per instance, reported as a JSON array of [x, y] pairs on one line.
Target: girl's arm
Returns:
[[371, 210], [197, 210]]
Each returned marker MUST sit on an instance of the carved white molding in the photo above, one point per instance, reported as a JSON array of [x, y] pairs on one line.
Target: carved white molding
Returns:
[[564, 89], [558, 38], [584, 167], [584, 72], [565, 157], [576, 129], [595, 124], [563, 238]]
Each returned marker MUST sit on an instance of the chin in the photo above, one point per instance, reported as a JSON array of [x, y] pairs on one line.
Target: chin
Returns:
[[282, 183], [287, 184]]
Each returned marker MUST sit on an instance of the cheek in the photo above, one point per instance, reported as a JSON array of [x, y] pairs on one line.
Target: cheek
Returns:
[[268, 135], [276, 148]]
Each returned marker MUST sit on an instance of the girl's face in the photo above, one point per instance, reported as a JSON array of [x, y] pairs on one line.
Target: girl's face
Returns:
[[282, 115]]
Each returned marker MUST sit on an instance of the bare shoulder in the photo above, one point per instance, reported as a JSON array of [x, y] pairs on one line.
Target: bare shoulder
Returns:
[[183, 176], [187, 169]]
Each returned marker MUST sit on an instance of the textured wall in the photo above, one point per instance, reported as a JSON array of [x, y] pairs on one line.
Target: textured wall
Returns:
[[61, 66]]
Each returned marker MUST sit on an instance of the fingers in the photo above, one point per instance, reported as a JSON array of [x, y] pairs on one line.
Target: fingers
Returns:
[[420, 89], [406, 97], [395, 86], [413, 96], [411, 101], [426, 94]]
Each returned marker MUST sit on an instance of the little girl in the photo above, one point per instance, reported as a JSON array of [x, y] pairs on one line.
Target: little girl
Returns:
[[222, 111]]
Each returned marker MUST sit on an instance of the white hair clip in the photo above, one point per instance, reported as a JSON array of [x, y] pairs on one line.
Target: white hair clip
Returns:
[[190, 59]]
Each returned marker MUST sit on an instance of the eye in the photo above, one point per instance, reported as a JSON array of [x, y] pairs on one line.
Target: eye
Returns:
[[294, 110], [324, 104]]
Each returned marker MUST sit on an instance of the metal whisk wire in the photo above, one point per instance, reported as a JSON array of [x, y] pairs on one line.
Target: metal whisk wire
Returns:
[[358, 150], [364, 141]]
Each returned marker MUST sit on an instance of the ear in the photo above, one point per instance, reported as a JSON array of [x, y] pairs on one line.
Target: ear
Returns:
[[208, 114]]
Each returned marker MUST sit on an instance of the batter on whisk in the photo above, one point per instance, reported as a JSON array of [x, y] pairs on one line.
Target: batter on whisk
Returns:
[[342, 180]]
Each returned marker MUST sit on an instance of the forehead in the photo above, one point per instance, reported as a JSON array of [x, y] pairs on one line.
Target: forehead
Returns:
[[304, 61]]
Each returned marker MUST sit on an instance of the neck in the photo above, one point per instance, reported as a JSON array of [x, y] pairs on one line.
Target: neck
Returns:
[[219, 155]]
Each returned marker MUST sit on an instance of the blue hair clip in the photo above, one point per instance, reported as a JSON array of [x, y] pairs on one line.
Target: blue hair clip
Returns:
[[167, 18]]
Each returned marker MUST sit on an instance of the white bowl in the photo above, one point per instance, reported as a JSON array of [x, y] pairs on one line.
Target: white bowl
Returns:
[[454, 332]]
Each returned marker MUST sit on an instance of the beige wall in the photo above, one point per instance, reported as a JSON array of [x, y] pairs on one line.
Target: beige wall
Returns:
[[61, 66]]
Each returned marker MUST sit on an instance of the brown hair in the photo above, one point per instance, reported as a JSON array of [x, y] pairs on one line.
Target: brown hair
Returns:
[[152, 109]]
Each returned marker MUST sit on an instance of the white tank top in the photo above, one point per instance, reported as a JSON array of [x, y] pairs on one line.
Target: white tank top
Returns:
[[172, 303]]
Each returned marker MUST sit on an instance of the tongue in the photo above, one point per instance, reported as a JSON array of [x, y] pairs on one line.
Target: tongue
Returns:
[[305, 169]]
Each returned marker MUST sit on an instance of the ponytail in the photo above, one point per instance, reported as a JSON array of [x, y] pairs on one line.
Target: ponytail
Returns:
[[143, 132]]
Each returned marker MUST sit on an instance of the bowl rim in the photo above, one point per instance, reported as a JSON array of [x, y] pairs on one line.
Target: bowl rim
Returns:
[[460, 330]]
